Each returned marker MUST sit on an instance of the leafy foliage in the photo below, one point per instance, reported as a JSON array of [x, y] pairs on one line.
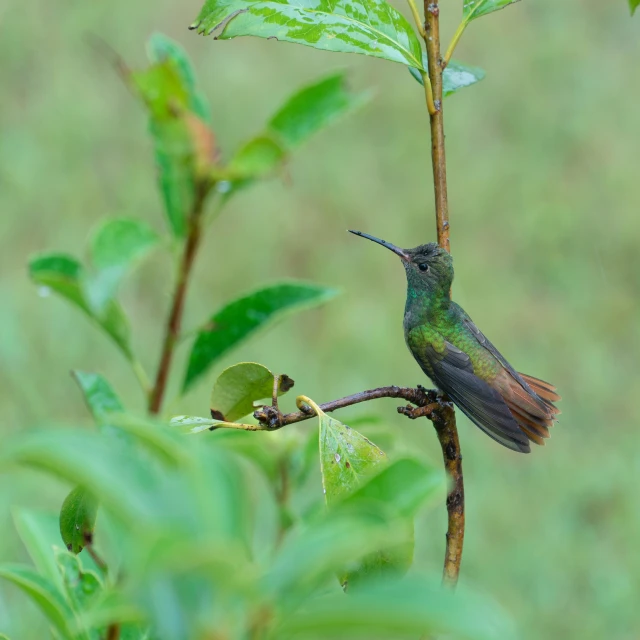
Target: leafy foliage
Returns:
[[238, 320], [633, 5], [203, 552], [375, 29]]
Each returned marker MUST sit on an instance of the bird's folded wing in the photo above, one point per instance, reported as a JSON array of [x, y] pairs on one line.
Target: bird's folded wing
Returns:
[[452, 371]]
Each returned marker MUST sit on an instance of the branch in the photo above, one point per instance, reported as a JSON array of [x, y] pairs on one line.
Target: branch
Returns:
[[270, 418], [444, 418], [172, 332]]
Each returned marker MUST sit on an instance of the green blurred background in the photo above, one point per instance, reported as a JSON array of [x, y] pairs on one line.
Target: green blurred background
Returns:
[[545, 195]]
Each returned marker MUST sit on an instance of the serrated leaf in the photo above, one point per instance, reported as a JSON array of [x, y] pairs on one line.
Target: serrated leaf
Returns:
[[40, 534], [240, 319], [239, 386], [63, 274], [373, 29], [456, 76], [633, 5], [44, 594], [116, 247], [178, 116], [347, 458], [472, 9], [313, 108], [78, 519]]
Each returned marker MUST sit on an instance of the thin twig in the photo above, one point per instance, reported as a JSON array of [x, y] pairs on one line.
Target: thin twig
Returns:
[[419, 396], [444, 419], [172, 332]]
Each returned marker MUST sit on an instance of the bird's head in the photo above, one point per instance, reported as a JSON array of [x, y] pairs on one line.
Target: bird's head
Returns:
[[428, 266]]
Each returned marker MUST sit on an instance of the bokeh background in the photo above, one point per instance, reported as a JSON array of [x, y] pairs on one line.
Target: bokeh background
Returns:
[[545, 201]]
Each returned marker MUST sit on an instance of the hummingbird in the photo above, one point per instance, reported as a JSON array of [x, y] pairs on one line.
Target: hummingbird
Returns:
[[510, 407]]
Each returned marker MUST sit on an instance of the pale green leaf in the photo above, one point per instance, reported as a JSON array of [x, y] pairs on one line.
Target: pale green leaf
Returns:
[[116, 247], [81, 586], [44, 594], [241, 318], [472, 9], [239, 387], [63, 274], [100, 397], [40, 534], [373, 29], [78, 519], [257, 157], [161, 49], [347, 458], [456, 76], [314, 107], [407, 608]]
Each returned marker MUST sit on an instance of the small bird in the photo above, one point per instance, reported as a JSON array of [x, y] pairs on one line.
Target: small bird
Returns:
[[510, 407]]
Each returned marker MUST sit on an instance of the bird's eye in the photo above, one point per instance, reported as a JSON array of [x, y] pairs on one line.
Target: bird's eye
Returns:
[[423, 266]]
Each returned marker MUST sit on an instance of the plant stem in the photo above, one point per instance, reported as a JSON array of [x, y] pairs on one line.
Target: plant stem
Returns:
[[416, 17], [172, 332], [444, 419], [454, 43]]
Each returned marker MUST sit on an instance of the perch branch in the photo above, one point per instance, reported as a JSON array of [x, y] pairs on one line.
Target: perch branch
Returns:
[[172, 332], [444, 418]]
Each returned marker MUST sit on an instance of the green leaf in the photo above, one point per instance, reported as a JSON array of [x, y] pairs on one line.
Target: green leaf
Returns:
[[40, 534], [239, 386], [633, 5], [407, 608], [404, 485], [63, 274], [98, 394], [257, 157], [373, 29], [116, 247], [313, 108], [81, 586], [346, 458], [402, 488], [241, 318], [78, 519], [178, 116], [455, 77], [161, 49], [43, 593], [472, 9]]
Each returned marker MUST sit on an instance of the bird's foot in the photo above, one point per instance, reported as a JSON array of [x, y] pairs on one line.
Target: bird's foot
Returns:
[[419, 412]]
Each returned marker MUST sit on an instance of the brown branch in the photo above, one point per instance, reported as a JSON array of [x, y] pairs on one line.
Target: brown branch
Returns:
[[172, 332], [420, 396], [444, 418]]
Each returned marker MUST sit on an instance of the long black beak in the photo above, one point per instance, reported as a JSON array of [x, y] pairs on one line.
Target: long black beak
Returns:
[[397, 250]]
